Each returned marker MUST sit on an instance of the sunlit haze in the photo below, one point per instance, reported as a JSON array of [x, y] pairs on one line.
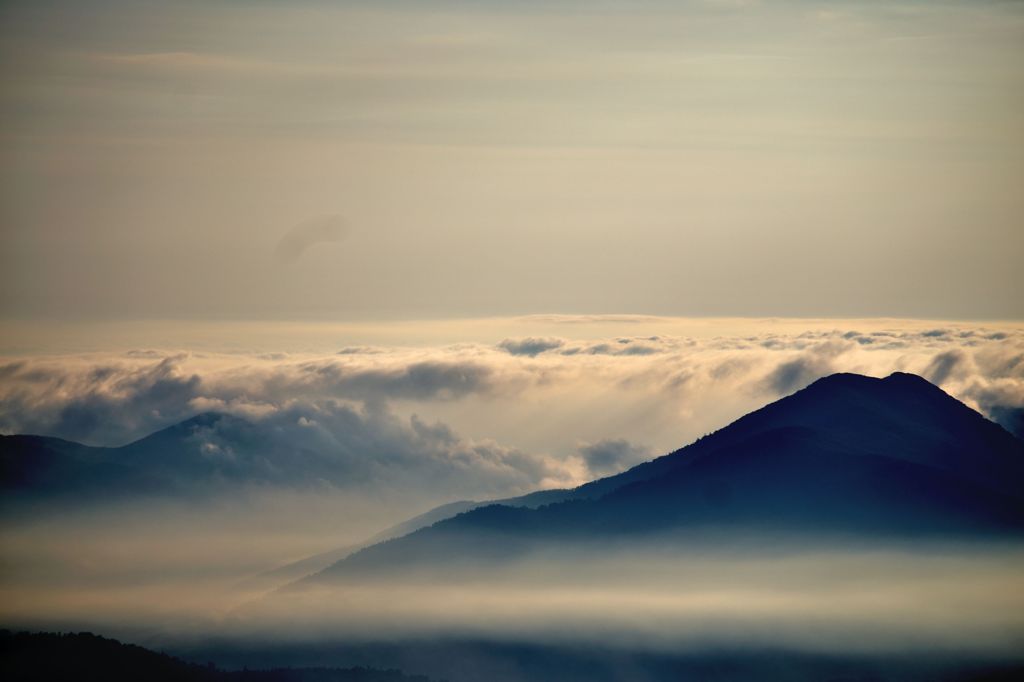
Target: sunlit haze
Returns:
[[512, 341]]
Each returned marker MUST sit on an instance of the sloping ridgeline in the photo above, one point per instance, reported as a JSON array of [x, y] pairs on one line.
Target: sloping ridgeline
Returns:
[[848, 456], [85, 657]]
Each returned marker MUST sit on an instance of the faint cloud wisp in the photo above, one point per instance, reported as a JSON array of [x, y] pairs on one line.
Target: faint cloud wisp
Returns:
[[319, 230]]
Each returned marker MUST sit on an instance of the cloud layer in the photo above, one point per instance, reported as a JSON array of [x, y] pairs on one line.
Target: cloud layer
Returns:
[[330, 445], [481, 419]]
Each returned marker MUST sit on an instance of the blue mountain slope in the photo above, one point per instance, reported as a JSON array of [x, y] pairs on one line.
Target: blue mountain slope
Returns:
[[848, 455], [901, 416], [170, 461]]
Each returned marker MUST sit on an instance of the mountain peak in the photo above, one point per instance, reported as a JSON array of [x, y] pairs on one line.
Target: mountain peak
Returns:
[[897, 397], [908, 377], [209, 419], [903, 380], [849, 454], [903, 416], [203, 420]]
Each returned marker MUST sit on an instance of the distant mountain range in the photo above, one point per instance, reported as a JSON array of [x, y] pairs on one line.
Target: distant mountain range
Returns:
[[847, 456], [169, 461], [850, 458]]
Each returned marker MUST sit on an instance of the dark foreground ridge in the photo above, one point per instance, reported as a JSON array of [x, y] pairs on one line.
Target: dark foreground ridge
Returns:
[[848, 456], [85, 657], [482, 660]]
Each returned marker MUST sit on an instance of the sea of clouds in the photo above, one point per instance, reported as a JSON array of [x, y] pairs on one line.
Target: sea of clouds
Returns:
[[476, 418], [332, 442]]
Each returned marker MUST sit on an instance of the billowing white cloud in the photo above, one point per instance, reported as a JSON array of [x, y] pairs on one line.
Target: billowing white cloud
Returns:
[[335, 443], [477, 419]]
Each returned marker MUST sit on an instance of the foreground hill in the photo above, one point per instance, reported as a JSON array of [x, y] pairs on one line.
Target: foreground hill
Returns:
[[847, 456], [51, 657]]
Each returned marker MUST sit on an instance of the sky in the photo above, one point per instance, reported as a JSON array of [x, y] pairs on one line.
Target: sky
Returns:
[[342, 162]]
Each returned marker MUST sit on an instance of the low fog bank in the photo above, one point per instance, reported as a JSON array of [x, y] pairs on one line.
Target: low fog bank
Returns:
[[159, 563], [922, 612], [186, 581], [473, 660], [966, 599], [819, 598]]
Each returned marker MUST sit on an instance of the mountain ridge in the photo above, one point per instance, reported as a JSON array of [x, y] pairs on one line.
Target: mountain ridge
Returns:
[[848, 454], [930, 429]]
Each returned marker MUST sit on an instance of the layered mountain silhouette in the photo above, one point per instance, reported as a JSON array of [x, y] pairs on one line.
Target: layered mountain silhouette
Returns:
[[169, 461], [85, 657], [848, 455]]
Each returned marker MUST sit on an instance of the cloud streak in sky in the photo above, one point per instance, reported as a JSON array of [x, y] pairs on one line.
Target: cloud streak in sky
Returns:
[[691, 158], [321, 230]]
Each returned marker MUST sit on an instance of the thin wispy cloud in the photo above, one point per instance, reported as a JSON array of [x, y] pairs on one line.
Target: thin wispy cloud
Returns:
[[309, 233], [687, 159]]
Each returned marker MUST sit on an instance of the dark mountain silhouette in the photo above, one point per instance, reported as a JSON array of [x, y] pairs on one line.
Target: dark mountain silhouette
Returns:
[[902, 416], [190, 458], [177, 461], [164, 462], [47, 657], [85, 657], [315, 563], [463, 659], [848, 455], [843, 404]]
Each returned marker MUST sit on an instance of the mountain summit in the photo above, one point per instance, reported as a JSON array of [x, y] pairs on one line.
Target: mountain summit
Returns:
[[849, 455]]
